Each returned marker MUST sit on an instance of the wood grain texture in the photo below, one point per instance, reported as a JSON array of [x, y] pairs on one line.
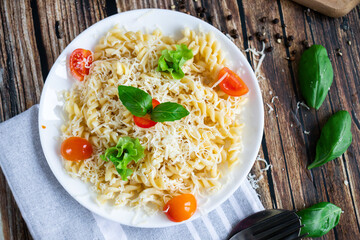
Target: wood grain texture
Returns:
[[34, 33], [21, 83], [61, 21], [288, 148]]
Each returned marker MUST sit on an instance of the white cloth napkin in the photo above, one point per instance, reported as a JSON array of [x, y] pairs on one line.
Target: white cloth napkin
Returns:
[[51, 213]]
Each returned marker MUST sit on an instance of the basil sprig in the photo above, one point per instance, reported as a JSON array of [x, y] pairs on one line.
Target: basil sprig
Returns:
[[315, 75], [139, 103], [135, 100], [334, 140], [319, 219], [172, 61]]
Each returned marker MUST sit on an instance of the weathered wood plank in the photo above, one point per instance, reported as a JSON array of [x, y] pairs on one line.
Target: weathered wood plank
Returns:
[[281, 131], [20, 86], [343, 95], [333, 175], [61, 21], [297, 148]]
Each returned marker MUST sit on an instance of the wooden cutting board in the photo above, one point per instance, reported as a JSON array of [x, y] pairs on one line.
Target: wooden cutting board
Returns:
[[332, 8]]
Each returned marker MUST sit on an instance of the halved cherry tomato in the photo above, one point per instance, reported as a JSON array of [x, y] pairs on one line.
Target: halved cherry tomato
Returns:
[[180, 208], [76, 148], [146, 122], [80, 61], [232, 84]]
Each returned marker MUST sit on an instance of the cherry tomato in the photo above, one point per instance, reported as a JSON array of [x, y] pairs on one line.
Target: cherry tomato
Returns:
[[180, 208], [232, 84], [80, 61], [146, 122], [76, 148]]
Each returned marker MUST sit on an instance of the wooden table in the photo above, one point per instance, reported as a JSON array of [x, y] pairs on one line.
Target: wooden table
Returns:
[[33, 34]]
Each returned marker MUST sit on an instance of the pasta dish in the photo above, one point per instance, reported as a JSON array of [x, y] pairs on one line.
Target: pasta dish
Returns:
[[187, 155]]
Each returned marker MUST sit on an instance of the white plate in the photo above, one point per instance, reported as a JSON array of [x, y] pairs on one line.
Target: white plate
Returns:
[[171, 23]]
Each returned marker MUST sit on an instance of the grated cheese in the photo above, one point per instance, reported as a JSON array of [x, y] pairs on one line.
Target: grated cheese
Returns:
[[267, 165], [273, 99], [298, 104], [258, 63], [220, 80], [270, 108], [254, 181]]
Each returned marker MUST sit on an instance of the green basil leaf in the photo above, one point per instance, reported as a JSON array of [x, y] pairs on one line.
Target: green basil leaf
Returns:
[[162, 64], [335, 138], [137, 101], [315, 75], [172, 61], [186, 54], [168, 111], [126, 150], [179, 74], [168, 55], [319, 219]]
